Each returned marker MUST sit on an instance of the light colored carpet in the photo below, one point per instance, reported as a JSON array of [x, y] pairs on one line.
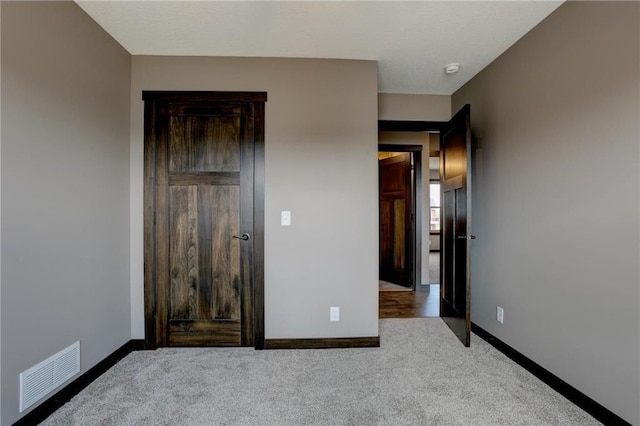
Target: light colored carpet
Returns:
[[421, 375]]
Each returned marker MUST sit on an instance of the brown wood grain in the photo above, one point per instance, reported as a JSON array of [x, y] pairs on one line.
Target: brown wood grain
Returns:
[[173, 96], [204, 333], [161, 249], [386, 244], [149, 224], [257, 296], [324, 343], [225, 256], [396, 194], [414, 242], [183, 254], [447, 250], [204, 178], [455, 179], [424, 302], [205, 283], [455, 154], [399, 233], [201, 199], [247, 253], [204, 144]]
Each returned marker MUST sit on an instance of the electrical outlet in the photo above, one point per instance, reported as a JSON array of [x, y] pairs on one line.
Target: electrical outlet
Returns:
[[334, 313], [500, 315]]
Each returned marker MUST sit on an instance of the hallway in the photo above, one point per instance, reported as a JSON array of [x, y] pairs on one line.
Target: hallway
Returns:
[[424, 302]]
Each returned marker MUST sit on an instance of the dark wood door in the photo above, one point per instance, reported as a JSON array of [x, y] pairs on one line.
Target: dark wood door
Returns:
[[201, 170], [396, 206], [455, 178]]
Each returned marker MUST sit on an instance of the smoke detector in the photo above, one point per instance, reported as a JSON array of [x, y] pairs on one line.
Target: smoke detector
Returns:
[[452, 68]]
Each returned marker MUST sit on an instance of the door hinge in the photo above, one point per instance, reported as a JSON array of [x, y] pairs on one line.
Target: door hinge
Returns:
[[154, 218]]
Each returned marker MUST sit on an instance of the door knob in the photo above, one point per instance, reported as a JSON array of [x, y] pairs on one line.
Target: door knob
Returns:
[[243, 237], [465, 237]]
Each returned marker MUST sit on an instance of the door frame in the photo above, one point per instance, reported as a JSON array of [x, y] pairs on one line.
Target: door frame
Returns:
[[406, 126], [152, 98], [416, 208]]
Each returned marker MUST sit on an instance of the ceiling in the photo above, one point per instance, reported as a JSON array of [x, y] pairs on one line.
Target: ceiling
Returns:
[[412, 41]]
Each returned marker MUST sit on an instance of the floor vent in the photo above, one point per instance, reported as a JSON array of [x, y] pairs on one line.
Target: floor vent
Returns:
[[41, 379]]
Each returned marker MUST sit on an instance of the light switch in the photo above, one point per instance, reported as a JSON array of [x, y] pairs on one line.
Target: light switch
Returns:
[[285, 218], [334, 313]]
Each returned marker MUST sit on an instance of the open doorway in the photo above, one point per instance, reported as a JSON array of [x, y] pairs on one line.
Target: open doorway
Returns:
[[435, 209], [399, 176], [421, 298], [455, 255]]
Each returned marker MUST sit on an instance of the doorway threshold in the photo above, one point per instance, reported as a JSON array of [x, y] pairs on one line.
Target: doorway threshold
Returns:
[[387, 286]]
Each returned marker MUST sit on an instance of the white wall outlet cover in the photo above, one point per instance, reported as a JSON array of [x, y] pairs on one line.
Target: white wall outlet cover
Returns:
[[285, 218], [500, 315]]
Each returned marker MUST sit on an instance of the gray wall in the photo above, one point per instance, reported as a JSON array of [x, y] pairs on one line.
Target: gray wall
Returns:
[[401, 106], [0, 213], [65, 189], [321, 150], [556, 209]]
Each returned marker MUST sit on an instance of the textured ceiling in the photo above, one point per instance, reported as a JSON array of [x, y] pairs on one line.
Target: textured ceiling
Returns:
[[412, 41]]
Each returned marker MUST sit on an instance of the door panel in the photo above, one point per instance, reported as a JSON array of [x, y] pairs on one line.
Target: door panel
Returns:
[[204, 217], [204, 258], [225, 252], [455, 152], [460, 263], [399, 234], [455, 176], [447, 251], [203, 333], [184, 253], [201, 279], [204, 143], [396, 242]]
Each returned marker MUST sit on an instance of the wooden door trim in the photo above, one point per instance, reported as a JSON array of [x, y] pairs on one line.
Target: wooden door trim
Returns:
[[152, 98], [399, 148], [416, 207], [258, 226], [149, 235], [203, 96], [324, 343], [410, 126]]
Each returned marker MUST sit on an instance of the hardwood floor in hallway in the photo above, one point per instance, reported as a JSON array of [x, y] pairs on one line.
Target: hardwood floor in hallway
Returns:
[[422, 303]]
